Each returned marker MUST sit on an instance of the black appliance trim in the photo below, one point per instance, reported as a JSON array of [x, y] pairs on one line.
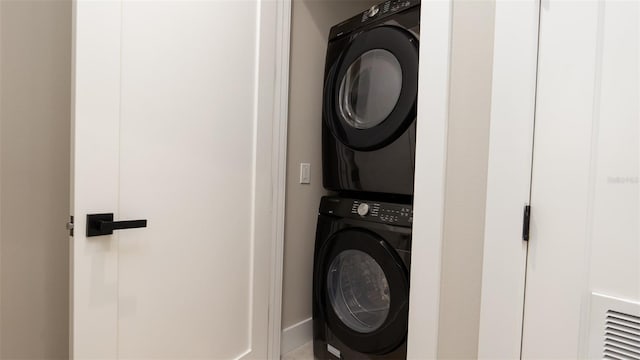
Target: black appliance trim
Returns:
[[392, 333], [404, 46], [388, 9]]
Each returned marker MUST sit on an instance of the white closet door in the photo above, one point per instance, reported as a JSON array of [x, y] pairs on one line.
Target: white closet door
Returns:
[[584, 230], [167, 128]]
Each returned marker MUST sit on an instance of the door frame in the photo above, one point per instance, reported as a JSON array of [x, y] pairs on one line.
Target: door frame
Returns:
[[281, 37], [513, 102], [508, 182], [274, 35], [436, 19]]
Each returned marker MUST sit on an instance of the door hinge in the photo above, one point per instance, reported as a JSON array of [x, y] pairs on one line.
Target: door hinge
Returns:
[[70, 225], [526, 219]]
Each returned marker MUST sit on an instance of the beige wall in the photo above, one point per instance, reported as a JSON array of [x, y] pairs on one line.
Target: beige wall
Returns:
[[311, 21], [34, 178], [466, 177]]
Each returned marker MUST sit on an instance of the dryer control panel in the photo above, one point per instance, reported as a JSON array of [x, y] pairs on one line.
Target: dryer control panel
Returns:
[[372, 15], [386, 8], [376, 211]]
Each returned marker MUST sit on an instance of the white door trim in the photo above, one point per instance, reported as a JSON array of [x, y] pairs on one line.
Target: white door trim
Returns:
[[509, 178], [270, 167], [279, 170], [431, 156]]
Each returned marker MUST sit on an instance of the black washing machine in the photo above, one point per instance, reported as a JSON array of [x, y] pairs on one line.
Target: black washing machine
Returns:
[[361, 279], [369, 101]]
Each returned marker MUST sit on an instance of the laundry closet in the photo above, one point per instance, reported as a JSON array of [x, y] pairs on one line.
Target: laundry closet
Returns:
[[468, 145], [36, 110], [35, 138], [478, 66]]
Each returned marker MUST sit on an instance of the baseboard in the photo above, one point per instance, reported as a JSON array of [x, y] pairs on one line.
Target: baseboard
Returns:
[[296, 335]]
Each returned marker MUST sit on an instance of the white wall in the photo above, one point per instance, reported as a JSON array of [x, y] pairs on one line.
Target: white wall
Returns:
[[34, 178]]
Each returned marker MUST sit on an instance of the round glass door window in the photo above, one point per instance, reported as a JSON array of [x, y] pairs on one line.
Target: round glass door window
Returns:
[[370, 89], [358, 291]]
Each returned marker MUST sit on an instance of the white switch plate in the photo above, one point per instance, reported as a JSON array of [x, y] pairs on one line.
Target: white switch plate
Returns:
[[305, 173]]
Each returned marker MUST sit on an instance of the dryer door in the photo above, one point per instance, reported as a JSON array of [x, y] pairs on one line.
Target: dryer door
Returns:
[[371, 91], [364, 290]]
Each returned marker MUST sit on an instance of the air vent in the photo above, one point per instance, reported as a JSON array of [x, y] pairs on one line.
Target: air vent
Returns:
[[614, 328], [621, 336]]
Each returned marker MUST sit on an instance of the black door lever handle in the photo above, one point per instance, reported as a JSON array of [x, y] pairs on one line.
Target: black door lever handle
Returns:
[[103, 224]]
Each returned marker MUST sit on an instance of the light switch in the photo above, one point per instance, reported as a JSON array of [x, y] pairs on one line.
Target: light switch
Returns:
[[305, 173]]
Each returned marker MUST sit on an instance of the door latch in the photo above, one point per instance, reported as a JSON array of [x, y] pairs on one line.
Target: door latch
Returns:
[[103, 224], [526, 220], [70, 225]]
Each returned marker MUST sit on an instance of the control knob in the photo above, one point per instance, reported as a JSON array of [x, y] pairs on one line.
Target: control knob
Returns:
[[373, 11], [363, 209]]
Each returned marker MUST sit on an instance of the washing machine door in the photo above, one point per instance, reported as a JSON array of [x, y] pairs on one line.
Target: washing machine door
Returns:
[[371, 91], [364, 287]]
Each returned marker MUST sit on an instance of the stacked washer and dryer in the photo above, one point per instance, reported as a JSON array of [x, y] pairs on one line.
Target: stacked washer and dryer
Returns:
[[363, 237]]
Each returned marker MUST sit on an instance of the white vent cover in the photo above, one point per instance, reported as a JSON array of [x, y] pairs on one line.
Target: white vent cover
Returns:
[[622, 336], [614, 328]]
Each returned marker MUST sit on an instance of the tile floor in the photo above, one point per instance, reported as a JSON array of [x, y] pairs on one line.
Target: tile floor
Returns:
[[304, 352]]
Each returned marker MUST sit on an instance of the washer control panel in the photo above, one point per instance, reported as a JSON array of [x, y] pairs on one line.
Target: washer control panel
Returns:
[[388, 213], [396, 214]]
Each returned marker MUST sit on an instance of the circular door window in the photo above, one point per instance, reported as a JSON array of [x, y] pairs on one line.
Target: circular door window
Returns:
[[370, 89], [364, 290], [358, 291]]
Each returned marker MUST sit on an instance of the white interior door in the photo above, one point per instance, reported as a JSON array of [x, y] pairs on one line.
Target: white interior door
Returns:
[[584, 226], [168, 127]]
